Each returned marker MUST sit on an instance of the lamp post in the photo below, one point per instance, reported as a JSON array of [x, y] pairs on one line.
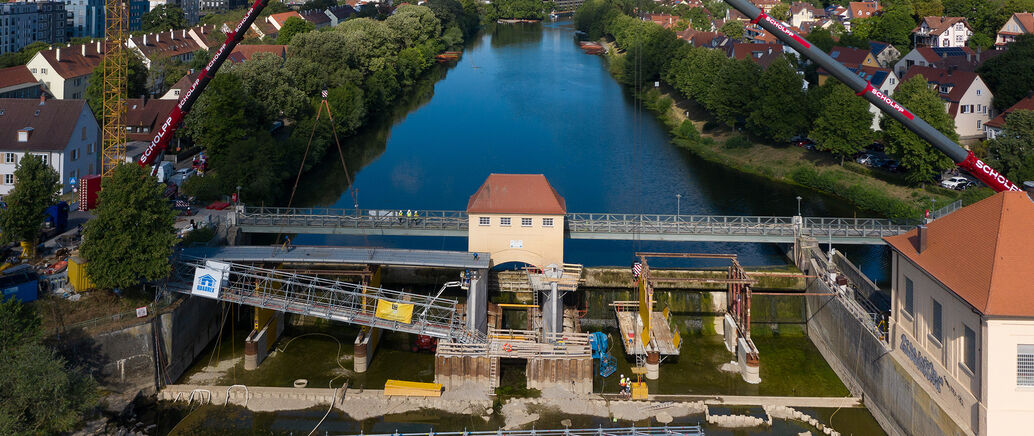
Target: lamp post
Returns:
[[678, 211], [238, 194], [798, 205]]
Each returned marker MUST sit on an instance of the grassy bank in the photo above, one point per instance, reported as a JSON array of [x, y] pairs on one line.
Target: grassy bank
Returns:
[[883, 193]]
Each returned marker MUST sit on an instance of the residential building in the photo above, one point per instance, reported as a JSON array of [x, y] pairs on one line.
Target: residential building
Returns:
[[191, 8], [221, 5], [966, 98], [882, 79], [87, 18], [264, 29], [18, 25], [144, 115], [65, 70], [802, 12], [856, 10], [517, 218], [18, 82], [319, 19], [930, 56], [666, 21], [994, 127], [1020, 23], [63, 132], [206, 35], [52, 23], [886, 54], [277, 20], [181, 86], [854, 57], [338, 14], [942, 32], [248, 52], [175, 44], [567, 5], [962, 315], [703, 39], [766, 5]]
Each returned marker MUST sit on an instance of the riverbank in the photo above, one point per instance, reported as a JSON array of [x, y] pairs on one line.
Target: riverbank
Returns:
[[693, 128]]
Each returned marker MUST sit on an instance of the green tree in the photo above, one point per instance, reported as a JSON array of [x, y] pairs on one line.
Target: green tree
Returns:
[[36, 188], [733, 29], [136, 84], [163, 17], [780, 90], [928, 8], [698, 19], [1010, 75], [822, 39], [39, 393], [734, 91], [293, 26], [132, 237], [269, 83], [780, 11], [844, 124], [922, 161], [224, 113], [895, 26], [164, 72], [1012, 152], [22, 56]]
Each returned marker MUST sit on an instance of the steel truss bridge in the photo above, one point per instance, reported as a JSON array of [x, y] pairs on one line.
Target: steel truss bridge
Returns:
[[329, 299], [685, 430], [717, 228]]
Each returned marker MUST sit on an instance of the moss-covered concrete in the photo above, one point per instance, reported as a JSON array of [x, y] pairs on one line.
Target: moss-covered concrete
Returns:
[[607, 277]]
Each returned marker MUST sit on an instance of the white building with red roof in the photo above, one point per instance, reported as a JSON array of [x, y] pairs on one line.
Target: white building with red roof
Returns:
[[1020, 23], [962, 315], [942, 32], [994, 127], [65, 69], [517, 218], [18, 82], [966, 97]]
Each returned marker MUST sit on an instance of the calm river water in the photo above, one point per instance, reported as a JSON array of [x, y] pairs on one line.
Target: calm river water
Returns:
[[525, 99]]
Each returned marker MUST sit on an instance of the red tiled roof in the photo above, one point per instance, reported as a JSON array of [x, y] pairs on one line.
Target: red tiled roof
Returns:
[[938, 25], [316, 17], [517, 193], [850, 57], [863, 9], [748, 50], [207, 35], [960, 81], [247, 52], [165, 44], [15, 76], [282, 17], [981, 252], [184, 83], [1026, 104], [265, 28], [146, 113], [73, 63], [52, 127]]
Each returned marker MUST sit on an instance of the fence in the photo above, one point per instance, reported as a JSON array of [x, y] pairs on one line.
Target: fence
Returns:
[[106, 323], [859, 306]]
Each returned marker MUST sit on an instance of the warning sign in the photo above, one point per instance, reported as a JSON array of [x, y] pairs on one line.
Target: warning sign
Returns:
[[392, 311]]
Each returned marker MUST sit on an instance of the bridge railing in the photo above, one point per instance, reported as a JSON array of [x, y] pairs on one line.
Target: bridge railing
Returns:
[[853, 227], [356, 218], [657, 223]]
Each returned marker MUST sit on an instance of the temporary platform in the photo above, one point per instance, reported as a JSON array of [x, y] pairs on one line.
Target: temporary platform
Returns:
[[412, 389], [663, 339]]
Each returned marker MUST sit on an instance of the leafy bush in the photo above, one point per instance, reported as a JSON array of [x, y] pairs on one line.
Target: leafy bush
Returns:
[[688, 131], [738, 141], [711, 125], [973, 195], [864, 196], [205, 188]]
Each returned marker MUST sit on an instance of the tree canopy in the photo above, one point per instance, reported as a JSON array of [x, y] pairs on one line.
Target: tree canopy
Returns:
[[36, 188], [515, 9], [131, 239], [163, 17], [921, 161], [1012, 152], [293, 26], [136, 84], [844, 123], [780, 89], [1010, 75], [39, 392]]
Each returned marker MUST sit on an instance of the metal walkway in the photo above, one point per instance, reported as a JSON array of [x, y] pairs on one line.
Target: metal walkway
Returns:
[[715, 228], [685, 430], [328, 299], [341, 255]]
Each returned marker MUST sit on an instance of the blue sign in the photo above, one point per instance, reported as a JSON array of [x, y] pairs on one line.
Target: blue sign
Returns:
[[206, 283], [924, 365]]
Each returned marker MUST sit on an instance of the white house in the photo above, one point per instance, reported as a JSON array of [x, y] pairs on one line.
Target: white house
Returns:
[[66, 69], [63, 132], [802, 12], [883, 79], [1018, 24], [962, 315], [942, 32], [966, 97], [175, 44], [994, 127]]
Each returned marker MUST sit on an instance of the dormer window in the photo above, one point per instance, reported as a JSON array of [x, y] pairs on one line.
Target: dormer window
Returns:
[[23, 134], [945, 88]]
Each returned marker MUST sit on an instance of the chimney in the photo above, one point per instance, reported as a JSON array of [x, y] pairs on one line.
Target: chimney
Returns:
[[42, 99], [922, 238], [98, 47], [57, 54], [157, 37], [83, 50], [184, 33], [145, 39], [172, 34]]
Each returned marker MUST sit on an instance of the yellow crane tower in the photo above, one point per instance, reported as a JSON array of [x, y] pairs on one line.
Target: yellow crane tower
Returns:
[[113, 131]]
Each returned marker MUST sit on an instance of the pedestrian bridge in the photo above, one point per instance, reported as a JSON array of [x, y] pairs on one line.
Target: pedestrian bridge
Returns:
[[646, 227], [341, 255]]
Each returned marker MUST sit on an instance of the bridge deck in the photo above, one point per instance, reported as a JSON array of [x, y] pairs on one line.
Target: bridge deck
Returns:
[[341, 255], [662, 339]]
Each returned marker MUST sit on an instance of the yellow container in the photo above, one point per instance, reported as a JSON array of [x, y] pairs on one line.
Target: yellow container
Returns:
[[77, 274], [412, 389]]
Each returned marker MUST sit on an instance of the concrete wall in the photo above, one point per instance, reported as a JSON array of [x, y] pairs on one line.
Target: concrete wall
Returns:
[[869, 369], [536, 244], [572, 374], [1008, 405], [455, 371], [126, 357]]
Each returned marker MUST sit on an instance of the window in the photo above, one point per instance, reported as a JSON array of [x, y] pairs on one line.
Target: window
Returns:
[[75, 154], [44, 157], [10, 158], [909, 307], [484, 221], [43, 70], [89, 149], [504, 221], [958, 38], [978, 92], [965, 109], [935, 328], [525, 222], [969, 348], [980, 123], [84, 133], [547, 222], [8, 179], [1025, 365]]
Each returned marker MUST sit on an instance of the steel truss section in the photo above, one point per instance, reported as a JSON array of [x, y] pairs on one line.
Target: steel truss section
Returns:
[[329, 299]]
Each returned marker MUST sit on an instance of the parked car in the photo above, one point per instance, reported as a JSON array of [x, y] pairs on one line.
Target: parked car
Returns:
[[866, 159], [958, 183], [891, 165]]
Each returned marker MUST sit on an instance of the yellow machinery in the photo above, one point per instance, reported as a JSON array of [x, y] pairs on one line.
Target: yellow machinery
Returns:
[[77, 274], [113, 110], [413, 389]]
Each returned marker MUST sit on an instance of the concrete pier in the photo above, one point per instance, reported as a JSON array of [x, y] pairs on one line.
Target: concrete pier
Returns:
[[571, 374], [456, 371], [364, 347], [268, 327]]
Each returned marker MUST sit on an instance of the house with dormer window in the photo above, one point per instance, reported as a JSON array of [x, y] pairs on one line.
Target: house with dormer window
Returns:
[[942, 32], [966, 97]]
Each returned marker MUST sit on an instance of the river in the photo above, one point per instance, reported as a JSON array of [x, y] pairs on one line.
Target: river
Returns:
[[525, 99]]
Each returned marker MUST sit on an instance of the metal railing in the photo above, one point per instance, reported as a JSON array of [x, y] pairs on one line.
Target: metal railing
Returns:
[[273, 218], [682, 430], [860, 307], [329, 299], [944, 211]]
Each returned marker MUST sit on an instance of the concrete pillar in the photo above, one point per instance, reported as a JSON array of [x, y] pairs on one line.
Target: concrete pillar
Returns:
[[653, 365], [477, 301], [364, 347], [553, 310]]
